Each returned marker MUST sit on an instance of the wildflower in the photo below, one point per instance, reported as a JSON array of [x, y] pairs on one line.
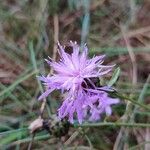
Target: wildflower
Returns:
[[103, 104], [74, 75]]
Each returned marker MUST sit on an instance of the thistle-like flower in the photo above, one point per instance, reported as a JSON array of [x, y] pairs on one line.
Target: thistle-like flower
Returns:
[[75, 75]]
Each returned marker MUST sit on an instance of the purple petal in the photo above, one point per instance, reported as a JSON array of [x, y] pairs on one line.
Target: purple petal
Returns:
[[108, 110], [45, 94]]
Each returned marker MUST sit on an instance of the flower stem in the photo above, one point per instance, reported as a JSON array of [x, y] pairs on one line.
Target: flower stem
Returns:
[[131, 100], [142, 125]]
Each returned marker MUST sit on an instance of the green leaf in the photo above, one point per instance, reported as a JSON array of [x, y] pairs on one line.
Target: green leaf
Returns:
[[114, 77], [12, 86], [13, 135]]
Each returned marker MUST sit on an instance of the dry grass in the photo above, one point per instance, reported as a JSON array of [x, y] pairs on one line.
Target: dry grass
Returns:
[[29, 30]]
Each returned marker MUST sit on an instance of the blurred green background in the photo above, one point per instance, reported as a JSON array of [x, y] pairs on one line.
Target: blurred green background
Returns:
[[29, 31]]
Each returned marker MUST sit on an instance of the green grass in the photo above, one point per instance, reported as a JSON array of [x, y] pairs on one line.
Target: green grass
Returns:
[[27, 37]]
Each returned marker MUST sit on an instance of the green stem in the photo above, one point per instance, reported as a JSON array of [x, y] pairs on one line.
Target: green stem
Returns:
[[142, 125], [131, 100]]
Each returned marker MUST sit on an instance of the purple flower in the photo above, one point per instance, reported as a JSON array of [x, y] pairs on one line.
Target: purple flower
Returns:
[[74, 75], [103, 104]]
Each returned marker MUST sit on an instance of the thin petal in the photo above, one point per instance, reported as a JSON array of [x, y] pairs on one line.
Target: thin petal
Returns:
[[108, 110], [45, 94]]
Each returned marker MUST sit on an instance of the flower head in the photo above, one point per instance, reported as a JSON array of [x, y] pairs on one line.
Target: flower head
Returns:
[[74, 75]]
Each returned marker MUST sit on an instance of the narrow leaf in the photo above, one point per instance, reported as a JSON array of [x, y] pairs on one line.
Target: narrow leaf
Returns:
[[114, 77]]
